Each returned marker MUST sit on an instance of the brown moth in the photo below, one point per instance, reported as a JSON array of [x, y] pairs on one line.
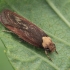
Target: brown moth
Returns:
[[27, 31]]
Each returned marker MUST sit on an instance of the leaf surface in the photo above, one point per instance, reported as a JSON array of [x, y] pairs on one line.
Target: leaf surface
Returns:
[[53, 18]]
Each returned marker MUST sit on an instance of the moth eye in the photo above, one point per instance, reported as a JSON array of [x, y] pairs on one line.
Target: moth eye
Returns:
[[47, 49]]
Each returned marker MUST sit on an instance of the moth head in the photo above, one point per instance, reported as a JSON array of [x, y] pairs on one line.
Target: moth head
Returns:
[[48, 45]]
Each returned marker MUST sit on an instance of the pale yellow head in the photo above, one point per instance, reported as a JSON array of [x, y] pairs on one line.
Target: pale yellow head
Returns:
[[48, 45]]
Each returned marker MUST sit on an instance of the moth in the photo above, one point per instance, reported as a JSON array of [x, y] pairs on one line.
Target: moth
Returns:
[[27, 31]]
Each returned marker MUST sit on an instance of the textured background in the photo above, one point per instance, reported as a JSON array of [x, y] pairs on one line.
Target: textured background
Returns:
[[53, 17]]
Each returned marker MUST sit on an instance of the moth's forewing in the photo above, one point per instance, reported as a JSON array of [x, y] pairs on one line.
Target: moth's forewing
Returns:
[[23, 28]]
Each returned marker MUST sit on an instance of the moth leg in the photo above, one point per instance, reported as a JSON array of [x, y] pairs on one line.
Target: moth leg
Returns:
[[48, 55], [56, 51], [0, 18], [7, 31]]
